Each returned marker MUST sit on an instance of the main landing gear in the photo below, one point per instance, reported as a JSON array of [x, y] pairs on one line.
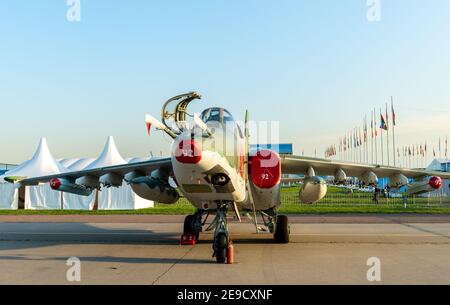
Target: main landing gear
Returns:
[[282, 230], [223, 249], [193, 225], [276, 224]]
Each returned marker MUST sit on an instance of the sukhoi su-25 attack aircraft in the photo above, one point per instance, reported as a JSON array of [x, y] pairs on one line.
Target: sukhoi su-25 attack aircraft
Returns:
[[212, 167]]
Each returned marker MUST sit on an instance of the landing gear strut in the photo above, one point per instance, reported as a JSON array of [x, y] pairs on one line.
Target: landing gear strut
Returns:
[[278, 225], [221, 238], [193, 225]]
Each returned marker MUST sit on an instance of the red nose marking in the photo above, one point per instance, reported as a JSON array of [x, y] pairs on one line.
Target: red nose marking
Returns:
[[188, 152], [55, 184], [435, 182]]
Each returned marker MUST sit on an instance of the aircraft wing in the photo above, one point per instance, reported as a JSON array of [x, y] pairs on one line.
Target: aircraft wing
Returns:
[[145, 167], [322, 167]]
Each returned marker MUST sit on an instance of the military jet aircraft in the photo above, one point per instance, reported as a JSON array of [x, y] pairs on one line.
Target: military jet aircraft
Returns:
[[211, 166]]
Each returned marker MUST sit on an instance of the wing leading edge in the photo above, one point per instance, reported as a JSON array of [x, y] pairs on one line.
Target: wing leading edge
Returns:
[[146, 168], [300, 165]]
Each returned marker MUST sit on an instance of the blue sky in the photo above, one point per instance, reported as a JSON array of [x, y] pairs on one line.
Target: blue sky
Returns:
[[316, 66]]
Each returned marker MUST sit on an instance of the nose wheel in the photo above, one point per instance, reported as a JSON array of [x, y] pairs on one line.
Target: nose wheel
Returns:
[[221, 244], [221, 248]]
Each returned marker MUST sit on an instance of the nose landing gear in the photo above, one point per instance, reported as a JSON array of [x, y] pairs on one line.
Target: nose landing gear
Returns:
[[222, 246], [221, 239]]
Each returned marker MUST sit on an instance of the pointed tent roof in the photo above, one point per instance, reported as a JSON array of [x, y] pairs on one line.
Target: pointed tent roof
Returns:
[[68, 162], [110, 156], [138, 159], [81, 164], [41, 164]]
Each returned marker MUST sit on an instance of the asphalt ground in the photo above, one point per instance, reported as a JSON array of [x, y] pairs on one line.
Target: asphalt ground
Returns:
[[144, 249]]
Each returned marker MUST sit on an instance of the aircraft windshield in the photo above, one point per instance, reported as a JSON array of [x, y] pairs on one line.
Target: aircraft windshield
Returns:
[[217, 115]]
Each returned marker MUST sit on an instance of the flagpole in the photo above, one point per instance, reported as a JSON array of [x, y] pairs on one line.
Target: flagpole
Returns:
[[387, 135], [376, 134], [381, 134], [372, 135], [393, 126], [366, 139], [361, 148]]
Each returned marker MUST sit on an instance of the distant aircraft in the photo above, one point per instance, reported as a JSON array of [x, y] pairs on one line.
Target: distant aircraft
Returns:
[[212, 167]]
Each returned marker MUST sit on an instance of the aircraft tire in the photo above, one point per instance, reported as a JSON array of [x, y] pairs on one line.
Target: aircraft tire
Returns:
[[282, 231], [222, 247], [187, 228]]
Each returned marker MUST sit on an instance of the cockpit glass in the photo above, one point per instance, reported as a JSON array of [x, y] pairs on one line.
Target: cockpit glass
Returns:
[[217, 115]]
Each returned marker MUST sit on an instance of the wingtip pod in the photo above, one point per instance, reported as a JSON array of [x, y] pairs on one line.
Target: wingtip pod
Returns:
[[152, 121], [14, 179]]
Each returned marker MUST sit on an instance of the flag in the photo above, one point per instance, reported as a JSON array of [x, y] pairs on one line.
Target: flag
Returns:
[[360, 137], [393, 114], [375, 123], [371, 126], [383, 124], [440, 151], [387, 117], [365, 129], [446, 155]]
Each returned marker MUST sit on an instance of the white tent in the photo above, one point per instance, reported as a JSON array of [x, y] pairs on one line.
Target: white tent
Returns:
[[137, 160], [122, 198], [9, 196], [81, 164], [78, 202], [41, 164], [68, 162], [110, 156]]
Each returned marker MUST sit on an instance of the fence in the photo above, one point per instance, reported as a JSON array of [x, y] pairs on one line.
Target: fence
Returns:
[[356, 197]]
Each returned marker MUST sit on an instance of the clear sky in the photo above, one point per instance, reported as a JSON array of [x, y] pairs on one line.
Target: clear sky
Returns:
[[316, 66]]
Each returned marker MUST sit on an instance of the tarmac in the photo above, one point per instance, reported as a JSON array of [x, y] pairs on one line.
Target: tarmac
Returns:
[[143, 249]]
